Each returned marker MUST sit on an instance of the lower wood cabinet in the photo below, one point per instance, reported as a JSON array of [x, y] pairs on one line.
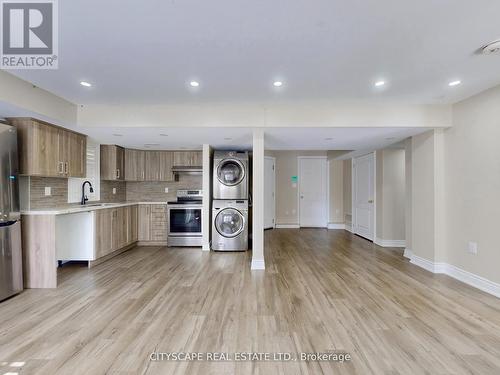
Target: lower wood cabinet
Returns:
[[152, 223], [115, 228], [103, 238]]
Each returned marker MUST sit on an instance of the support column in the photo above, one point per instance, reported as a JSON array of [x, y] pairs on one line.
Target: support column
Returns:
[[207, 195], [258, 201], [427, 200]]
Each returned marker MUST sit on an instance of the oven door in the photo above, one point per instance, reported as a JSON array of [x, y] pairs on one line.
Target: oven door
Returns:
[[184, 220]]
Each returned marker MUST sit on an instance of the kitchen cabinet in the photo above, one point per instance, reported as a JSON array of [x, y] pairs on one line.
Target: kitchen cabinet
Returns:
[[153, 223], [133, 228], [112, 162], [144, 222], [77, 155], [158, 222], [166, 163], [159, 166], [115, 228], [134, 165], [48, 150], [152, 166], [119, 228], [103, 239], [187, 159]]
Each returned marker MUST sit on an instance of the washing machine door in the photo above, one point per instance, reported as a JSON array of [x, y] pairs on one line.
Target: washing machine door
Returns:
[[229, 222], [230, 172]]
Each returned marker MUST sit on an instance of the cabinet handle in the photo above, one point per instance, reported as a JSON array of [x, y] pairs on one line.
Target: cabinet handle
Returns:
[[66, 168], [117, 173]]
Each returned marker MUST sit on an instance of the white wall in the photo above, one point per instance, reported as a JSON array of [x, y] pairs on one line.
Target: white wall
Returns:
[[287, 212], [310, 113], [390, 192], [408, 195], [258, 200], [20, 98], [472, 184]]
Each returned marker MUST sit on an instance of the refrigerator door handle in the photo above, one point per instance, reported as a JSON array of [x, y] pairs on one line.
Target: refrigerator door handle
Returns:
[[7, 223]]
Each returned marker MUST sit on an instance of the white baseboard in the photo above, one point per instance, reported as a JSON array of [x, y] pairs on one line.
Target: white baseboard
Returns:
[[348, 227], [258, 264], [335, 226], [408, 253], [466, 277], [287, 226], [389, 243]]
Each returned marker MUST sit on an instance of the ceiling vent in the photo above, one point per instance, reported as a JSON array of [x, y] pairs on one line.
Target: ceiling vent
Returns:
[[493, 47]]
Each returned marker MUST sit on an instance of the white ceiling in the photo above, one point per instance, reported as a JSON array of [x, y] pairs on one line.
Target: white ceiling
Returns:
[[147, 51], [241, 138]]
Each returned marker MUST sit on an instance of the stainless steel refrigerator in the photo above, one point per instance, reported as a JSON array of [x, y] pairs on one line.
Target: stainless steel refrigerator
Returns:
[[11, 269]]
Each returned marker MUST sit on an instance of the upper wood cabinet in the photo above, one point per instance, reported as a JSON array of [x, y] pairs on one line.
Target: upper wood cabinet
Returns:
[[48, 150], [166, 163], [134, 165], [188, 159], [152, 166], [158, 166], [77, 155], [112, 162]]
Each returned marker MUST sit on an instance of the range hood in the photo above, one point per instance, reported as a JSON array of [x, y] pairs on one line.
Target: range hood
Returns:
[[187, 170]]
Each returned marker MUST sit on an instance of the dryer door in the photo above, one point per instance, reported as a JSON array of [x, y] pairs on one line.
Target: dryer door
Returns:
[[229, 222], [230, 172]]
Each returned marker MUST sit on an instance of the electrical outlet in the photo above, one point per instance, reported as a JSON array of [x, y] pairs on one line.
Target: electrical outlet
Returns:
[[166, 190], [114, 190], [48, 191], [472, 248]]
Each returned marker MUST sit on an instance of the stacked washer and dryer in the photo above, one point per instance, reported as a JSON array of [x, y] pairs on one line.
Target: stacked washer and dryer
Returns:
[[230, 201]]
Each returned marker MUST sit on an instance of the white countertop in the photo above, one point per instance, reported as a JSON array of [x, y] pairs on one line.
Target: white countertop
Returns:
[[88, 207]]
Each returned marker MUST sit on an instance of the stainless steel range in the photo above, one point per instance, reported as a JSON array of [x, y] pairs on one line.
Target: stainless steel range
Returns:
[[184, 219]]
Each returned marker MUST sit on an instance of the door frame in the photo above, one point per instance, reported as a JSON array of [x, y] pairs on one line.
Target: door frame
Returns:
[[353, 195], [326, 200], [274, 195]]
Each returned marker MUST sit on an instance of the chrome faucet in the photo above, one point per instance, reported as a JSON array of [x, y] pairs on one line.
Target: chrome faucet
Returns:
[[84, 197]]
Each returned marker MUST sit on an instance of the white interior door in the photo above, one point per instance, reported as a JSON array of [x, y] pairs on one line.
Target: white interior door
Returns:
[[312, 192], [269, 193], [364, 196]]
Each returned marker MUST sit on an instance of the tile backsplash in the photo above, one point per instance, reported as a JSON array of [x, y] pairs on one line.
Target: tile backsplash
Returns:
[[33, 191], [149, 191], [37, 197], [107, 191]]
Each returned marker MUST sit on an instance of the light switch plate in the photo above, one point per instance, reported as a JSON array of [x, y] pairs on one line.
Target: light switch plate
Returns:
[[166, 190], [472, 248], [114, 190], [48, 191]]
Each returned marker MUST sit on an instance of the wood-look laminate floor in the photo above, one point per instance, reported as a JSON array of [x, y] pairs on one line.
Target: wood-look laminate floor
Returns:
[[322, 291]]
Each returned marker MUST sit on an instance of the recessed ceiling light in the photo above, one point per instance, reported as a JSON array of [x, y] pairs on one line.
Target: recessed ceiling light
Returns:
[[390, 138], [277, 83], [163, 135], [117, 135], [85, 83], [454, 83], [379, 83], [328, 139], [227, 139], [194, 83], [493, 47]]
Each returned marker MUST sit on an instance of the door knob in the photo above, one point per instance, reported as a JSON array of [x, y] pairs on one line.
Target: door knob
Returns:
[[370, 201], [301, 197]]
